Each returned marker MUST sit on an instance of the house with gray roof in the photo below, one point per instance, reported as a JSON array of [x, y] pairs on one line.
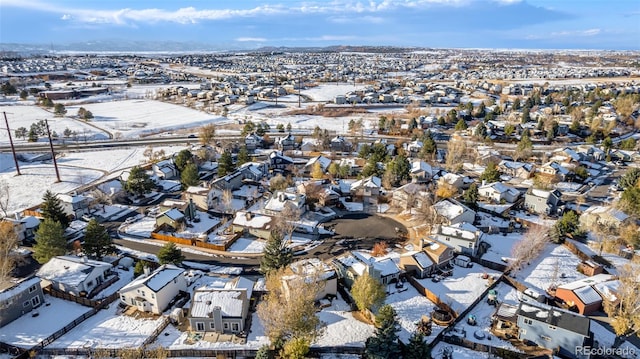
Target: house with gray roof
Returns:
[[19, 298], [542, 201], [75, 275], [153, 291]]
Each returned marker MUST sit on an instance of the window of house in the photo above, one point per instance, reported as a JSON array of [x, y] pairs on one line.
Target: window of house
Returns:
[[552, 327], [35, 301], [142, 293], [200, 326], [235, 327], [124, 298], [528, 321], [212, 325], [25, 304], [546, 338], [32, 289], [226, 326], [153, 296], [90, 283], [523, 331]]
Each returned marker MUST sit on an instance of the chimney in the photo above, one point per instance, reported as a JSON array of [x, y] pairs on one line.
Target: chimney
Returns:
[[147, 271], [18, 216], [85, 259]]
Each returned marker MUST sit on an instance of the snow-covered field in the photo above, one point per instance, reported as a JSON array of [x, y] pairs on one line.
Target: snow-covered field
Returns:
[[501, 246], [248, 245], [327, 92], [28, 331], [108, 329], [76, 169]]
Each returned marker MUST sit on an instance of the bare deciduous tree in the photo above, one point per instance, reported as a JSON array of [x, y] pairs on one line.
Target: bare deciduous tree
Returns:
[[456, 150], [8, 258], [4, 197], [528, 248], [624, 310], [227, 200], [288, 220]]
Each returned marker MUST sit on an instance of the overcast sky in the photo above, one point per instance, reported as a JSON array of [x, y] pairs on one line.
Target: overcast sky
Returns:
[[535, 24]]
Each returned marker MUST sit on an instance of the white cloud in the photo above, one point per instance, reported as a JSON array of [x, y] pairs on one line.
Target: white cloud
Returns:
[[187, 15], [357, 19], [251, 39], [589, 32]]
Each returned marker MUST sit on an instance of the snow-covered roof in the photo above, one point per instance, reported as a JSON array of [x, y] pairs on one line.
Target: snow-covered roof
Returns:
[[312, 266], [587, 295], [70, 270], [371, 182], [252, 220], [279, 199], [611, 211], [450, 209], [173, 214], [460, 230], [608, 290], [423, 259], [230, 302], [419, 166], [384, 265], [197, 190], [71, 199], [501, 188], [585, 282], [324, 162], [157, 279]]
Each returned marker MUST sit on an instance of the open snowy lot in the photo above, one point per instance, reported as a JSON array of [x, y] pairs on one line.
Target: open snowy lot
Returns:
[[135, 118], [501, 246], [248, 245], [108, 329], [327, 92], [28, 331]]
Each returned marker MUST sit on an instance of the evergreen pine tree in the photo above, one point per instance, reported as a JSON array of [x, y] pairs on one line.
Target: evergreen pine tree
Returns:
[[471, 195], [264, 353], [170, 253], [51, 208], [190, 176], [225, 164], [138, 182], [416, 348], [97, 242], [384, 344], [50, 241], [276, 254], [243, 155]]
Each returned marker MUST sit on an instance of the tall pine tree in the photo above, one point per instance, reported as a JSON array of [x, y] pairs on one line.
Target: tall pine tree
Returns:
[[384, 344], [97, 242], [50, 241], [190, 176], [276, 254], [170, 254], [416, 348], [52, 209]]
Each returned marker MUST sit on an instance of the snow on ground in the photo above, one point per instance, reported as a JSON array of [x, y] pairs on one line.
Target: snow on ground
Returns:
[[342, 328], [108, 329], [533, 218], [483, 312], [539, 274], [487, 220], [410, 307], [328, 92], [462, 288], [113, 159], [28, 331], [501, 246], [140, 228], [134, 118], [21, 115], [457, 352], [605, 338], [247, 245], [172, 338], [352, 206]]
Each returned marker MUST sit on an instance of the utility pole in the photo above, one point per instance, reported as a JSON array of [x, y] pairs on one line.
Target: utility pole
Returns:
[[13, 149], [299, 87], [53, 154], [275, 83]]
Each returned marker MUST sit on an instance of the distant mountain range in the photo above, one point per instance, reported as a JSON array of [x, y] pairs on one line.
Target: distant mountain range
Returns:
[[127, 46]]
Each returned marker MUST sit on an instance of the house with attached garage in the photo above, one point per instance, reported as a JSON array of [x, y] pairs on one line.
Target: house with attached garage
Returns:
[[203, 197], [19, 298], [542, 201], [221, 306], [78, 276], [311, 269], [349, 266], [582, 294], [449, 211], [498, 192], [464, 238], [165, 169], [74, 205], [153, 291]]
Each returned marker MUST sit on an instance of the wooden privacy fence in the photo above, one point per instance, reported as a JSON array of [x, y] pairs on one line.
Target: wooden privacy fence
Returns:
[[431, 295], [80, 300], [194, 242]]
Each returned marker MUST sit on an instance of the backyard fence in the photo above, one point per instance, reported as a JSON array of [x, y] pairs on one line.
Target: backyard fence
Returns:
[[197, 243]]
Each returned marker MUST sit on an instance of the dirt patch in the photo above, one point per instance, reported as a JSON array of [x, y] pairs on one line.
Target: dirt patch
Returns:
[[366, 229]]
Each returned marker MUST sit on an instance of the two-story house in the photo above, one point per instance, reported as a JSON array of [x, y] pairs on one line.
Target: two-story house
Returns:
[[19, 298], [449, 211], [279, 163], [153, 291], [354, 264], [74, 205], [498, 192], [222, 306], [463, 237], [542, 201], [287, 142]]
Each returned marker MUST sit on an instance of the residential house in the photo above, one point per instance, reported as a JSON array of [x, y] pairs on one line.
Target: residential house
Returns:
[[172, 218], [414, 148], [582, 295], [24, 227], [165, 169], [417, 263], [19, 298], [351, 265], [339, 144], [554, 170], [221, 306], [498, 192], [554, 328], [253, 171], [203, 198], [256, 224], [421, 171], [231, 181], [449, 211], [516, 169], [463, 237], [74, 205], [253, 141], [153, 291], [542, 201], [78, 276], [367, 187], [315, 189], [323, 161], [441, 255], [281, 200], [408, 196], [280, 163], [312, 269], [287, 142], [606, 216]]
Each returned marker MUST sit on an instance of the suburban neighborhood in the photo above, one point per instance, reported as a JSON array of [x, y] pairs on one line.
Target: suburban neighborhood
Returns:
[[339, 203]]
